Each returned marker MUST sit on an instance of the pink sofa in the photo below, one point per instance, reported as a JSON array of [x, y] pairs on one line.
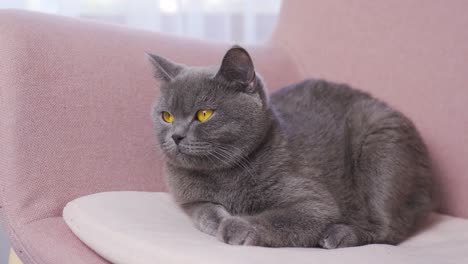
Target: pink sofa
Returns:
[[75, 99]]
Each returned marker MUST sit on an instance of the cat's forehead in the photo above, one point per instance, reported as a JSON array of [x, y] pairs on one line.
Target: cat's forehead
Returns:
[[192, 90]]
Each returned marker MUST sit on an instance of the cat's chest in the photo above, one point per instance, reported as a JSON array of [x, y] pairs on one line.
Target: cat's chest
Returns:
[[237, 191]]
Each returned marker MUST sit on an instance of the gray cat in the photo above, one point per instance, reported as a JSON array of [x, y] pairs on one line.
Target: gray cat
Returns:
[[314, 164]]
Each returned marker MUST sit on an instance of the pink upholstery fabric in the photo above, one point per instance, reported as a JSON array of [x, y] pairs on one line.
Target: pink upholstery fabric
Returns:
[[412, 54], [75, 98], [75, 118], [50, 240]]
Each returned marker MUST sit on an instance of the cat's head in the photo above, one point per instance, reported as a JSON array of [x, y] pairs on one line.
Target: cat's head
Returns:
[[213, 117]]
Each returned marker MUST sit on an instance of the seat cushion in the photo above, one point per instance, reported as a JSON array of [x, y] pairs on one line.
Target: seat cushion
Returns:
[[143, 227]]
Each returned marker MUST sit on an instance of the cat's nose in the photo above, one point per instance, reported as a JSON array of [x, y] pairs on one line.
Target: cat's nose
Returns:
[[177, 138]]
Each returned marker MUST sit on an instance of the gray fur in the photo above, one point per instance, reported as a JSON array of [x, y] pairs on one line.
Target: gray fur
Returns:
[[315, 164]]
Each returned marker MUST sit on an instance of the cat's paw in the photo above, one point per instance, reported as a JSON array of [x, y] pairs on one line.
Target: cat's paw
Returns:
[[237, 231], [208, 218], [339, 236], [207, 225]]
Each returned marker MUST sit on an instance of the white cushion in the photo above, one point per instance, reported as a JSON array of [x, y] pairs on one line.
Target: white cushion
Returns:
[[142, 227]]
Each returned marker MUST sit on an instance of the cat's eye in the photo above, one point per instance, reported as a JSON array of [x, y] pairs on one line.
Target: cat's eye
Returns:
[[166, 116], [203, 115]]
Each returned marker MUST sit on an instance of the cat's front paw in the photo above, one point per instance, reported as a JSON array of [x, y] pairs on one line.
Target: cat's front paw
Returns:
[[208, 217], [238, 231], [339, 236]]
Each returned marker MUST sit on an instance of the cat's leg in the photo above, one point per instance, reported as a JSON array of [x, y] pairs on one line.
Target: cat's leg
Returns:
[[206, 216], [299, 225]]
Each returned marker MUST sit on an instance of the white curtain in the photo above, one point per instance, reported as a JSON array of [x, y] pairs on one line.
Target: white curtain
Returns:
[[247, 21]]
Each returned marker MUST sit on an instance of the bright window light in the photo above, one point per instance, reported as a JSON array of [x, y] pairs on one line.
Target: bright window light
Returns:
[[240, 21]]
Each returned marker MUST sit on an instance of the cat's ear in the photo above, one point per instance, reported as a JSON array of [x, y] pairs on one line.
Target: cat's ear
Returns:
[[164, 69], [237, 66]]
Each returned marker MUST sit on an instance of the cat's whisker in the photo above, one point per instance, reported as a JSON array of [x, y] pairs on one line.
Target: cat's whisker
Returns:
[[220, 158], [243, 159], [208, 155], [243, 164]]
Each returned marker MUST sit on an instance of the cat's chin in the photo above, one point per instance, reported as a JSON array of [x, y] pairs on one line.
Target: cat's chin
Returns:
[[184, 160], [202, 160], [195, 162]]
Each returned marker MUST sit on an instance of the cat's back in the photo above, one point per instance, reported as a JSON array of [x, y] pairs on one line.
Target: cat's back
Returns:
[[314, 116], [315, 104], [319, 96]]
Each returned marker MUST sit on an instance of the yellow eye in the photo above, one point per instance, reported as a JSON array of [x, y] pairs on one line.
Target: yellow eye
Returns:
[[167, 117], [203, 115]]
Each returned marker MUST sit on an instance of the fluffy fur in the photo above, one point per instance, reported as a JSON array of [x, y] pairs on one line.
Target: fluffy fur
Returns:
[[315, 164]]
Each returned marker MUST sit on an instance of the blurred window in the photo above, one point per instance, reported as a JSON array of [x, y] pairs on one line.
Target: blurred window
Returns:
[[247, 21]]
